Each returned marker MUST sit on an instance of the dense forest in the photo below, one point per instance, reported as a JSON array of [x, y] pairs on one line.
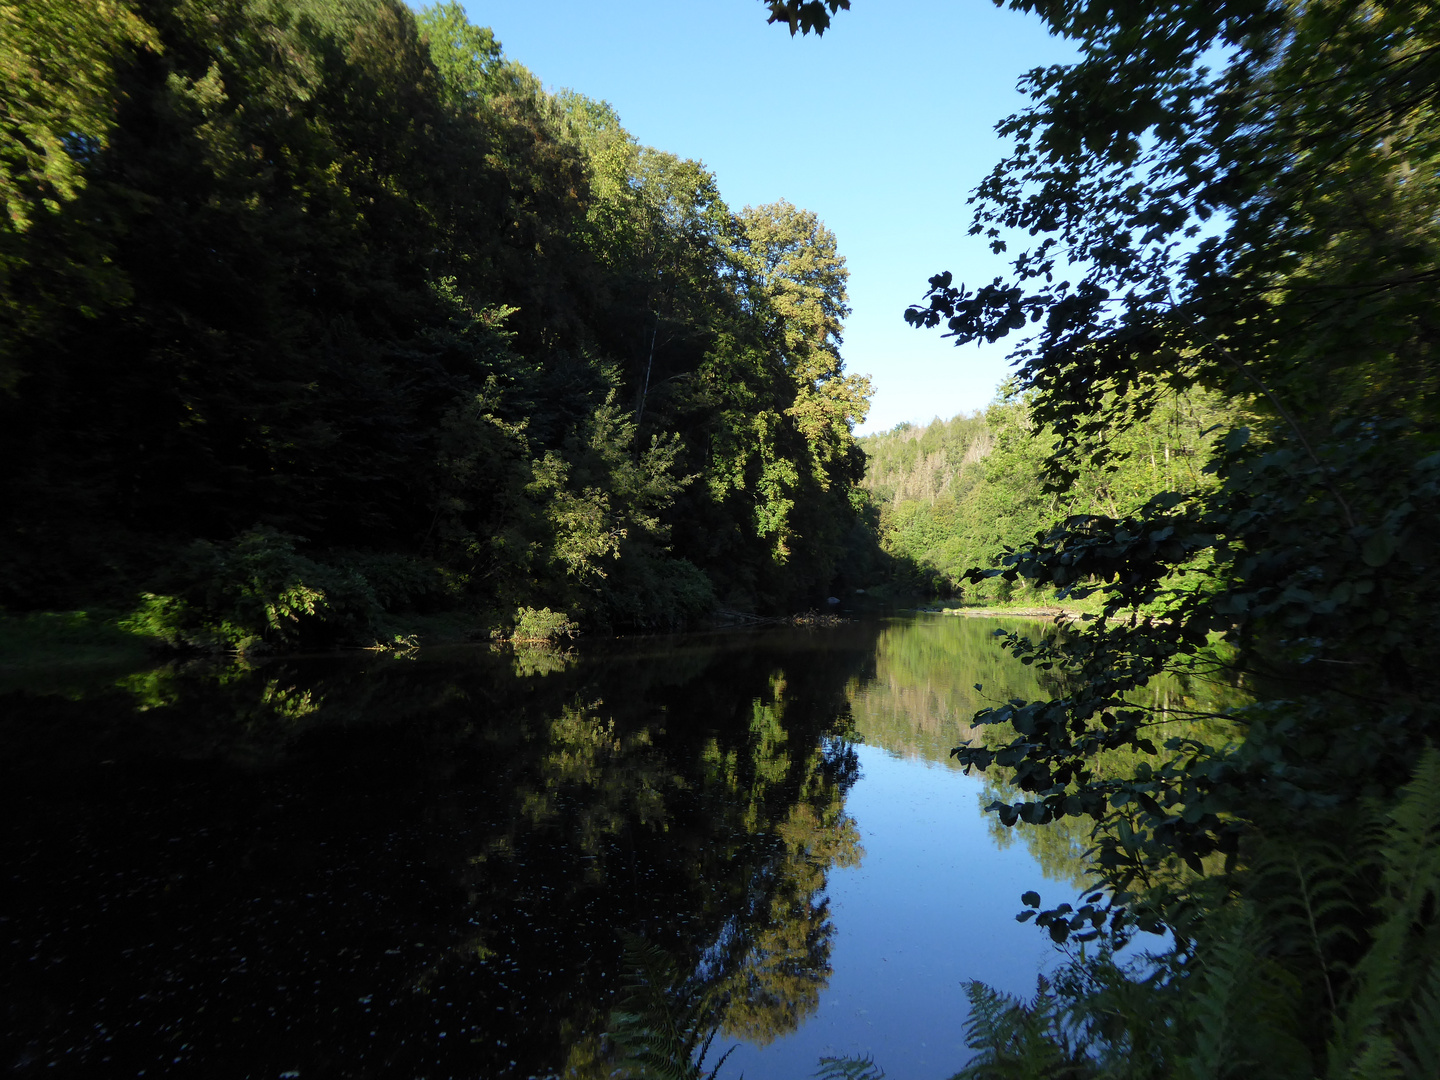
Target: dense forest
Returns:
[[953, 495], [322, 317], [1234, 202]]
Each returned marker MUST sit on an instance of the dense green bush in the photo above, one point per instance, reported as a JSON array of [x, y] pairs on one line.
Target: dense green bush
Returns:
[[542, 624], [657, 594], [256, 591]]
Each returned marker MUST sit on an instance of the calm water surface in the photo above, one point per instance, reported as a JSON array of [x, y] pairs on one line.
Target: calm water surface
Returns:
[[429, 866]]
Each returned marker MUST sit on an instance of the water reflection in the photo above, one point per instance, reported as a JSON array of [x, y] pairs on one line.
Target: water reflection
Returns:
[[931, 676], [365, 867], [373, 866]]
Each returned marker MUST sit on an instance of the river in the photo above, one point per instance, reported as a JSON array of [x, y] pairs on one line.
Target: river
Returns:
[[433, 865]]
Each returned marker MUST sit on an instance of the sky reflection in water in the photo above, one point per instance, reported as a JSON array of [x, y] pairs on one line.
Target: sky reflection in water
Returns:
[[932, 904]]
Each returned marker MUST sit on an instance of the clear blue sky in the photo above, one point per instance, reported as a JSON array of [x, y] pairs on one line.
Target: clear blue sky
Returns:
[[882, 127]]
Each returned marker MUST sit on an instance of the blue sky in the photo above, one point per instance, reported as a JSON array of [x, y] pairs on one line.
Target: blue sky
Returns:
[[882, 127]]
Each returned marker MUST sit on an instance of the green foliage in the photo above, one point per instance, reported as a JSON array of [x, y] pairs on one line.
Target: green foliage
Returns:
[[401, 583], [432, 319], [959, 494], [57, 87], [1016, 1040], [1305, 969], [657, 593], [1376, 1030], [256, 589], [467, 58], [59, 75], [59, 638], [542, 624], [664, 1027], [1238, 198]]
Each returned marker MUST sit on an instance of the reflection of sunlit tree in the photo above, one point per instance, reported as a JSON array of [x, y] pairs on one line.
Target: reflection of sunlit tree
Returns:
[[773, 958], [600, 781], [786, 961], [530, 659], [749, 839], [923, 693], [1058, 847], [769, 759]]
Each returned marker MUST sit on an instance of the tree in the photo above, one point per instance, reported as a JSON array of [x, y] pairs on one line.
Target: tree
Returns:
[[57, 83], [1248, 194], [797, 284], [805, 16]]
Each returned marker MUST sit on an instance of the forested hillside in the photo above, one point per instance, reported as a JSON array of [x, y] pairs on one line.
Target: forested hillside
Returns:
[[322, 312], [955, 495]]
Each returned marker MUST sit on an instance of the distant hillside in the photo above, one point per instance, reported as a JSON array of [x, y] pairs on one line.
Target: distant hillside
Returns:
[[913, 462], [953, 494]]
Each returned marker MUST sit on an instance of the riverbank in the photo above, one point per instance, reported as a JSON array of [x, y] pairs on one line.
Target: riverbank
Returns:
[[99, 638], [990, 612], [103, 639], [68, 639]]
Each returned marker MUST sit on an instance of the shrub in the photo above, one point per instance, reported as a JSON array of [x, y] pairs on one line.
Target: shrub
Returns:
[[542, 624], [399, 582], [656, 592], [253, 590]]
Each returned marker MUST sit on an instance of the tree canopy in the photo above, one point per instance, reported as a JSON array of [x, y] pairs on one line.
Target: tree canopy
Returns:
[[333, 301]]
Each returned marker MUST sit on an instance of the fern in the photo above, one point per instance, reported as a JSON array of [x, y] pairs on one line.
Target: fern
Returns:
[[1123, 1019], [1420, 1058], [1322, 958], [1400, 962], [665, 1027], [1238, 1015], [1411, 850], [1016, 1040], [1311, 895], [849, 1068]]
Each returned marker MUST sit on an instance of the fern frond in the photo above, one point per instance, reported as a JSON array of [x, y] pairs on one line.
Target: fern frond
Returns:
[[664, 1027], [1017, 1040], [1216, 1010], [849, 1068], [713, 1073], [1398, 960], [995, 1017], [1310, 895], [1411, 850], [1237, 1012], [1359, 1044], [1420, 1057]]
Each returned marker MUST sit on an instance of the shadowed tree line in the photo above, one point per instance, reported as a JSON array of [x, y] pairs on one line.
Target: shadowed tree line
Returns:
[[321, 314]]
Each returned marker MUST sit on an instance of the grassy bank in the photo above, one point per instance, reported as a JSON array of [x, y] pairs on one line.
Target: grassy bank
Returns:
[[68, 638]]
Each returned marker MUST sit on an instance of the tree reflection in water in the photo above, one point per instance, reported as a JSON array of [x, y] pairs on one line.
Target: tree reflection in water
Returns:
[[363, 868], [775, 956]]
